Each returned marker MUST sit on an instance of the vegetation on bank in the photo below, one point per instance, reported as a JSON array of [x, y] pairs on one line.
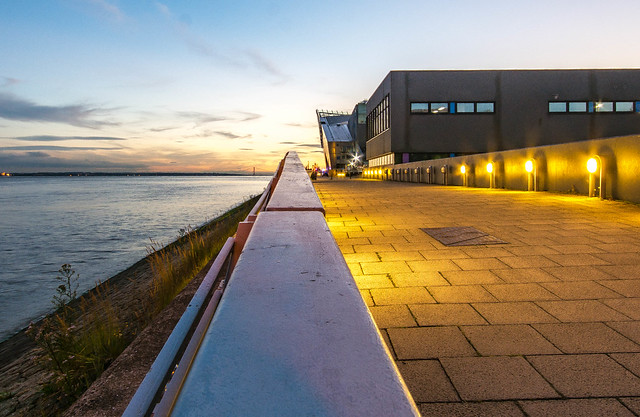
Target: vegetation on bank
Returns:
[[86, 334]]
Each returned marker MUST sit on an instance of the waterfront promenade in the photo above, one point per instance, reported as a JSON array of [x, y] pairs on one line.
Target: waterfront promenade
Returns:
[[545, 324]]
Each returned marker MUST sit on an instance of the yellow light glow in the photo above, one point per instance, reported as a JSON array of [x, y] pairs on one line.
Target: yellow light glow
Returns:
[[341, 174], [489, 167], [592, 165], [463, 169], [529, 166]]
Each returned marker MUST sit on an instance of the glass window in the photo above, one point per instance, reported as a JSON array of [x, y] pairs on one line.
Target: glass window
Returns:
[[577, 107], [465, 107], [557, 106], [624, 106], [485, 107], [604, 106], [419, 107], [638, 106], [439, 108]]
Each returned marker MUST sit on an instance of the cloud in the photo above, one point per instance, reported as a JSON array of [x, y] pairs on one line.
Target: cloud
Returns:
[[305, 125], [264, 64], [108, 8], [7, 81], [200, 118], [56, 148], [14, 108], [308, 145], [37, 161], [230, 135], [47, 138], [249, 116]]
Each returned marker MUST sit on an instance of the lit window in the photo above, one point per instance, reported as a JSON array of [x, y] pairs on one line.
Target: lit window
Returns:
[[465, 107], [624, 106], [577, 107], [485, 107], [439, 108], [603, 106], [419, 107], [637, 106], [557, 107]]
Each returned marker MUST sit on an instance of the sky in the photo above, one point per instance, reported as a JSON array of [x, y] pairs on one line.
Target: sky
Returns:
[[229, 86]]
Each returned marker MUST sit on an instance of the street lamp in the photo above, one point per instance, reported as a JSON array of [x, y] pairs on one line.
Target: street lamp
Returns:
[[596, 164], [532, 175], [463, 171], [492, 175]]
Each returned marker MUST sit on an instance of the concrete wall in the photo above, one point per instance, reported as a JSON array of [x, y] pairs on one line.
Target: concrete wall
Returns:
[[560, 168]]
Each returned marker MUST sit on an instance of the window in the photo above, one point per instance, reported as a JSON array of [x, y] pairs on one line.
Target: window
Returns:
[[439, 108], [419, 107], [603, 106], [577, 107], [465, 107], [624, 106], [557, 107], [378, 119], [485, 107]]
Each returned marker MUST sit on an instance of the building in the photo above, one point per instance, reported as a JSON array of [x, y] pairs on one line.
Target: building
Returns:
[[342, 137], [418, 115]]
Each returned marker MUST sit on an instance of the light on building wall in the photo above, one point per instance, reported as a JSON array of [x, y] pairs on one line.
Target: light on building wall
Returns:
[[489, 167], [492, 175], [532, 175], [595, 166], [463, 169]]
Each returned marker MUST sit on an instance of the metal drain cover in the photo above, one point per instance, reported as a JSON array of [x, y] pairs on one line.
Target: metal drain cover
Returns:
[[461, 236]]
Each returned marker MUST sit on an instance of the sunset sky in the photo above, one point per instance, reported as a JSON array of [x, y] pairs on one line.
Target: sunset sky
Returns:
[[201, 86]]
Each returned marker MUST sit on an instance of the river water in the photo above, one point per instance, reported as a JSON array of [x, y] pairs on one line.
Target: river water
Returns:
[[99, 225]]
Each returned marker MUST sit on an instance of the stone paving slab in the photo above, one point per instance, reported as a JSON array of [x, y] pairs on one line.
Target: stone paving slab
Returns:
[[547, 324]]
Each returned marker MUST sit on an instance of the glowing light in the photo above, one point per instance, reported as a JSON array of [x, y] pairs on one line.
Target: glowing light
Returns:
[[489, 167], [341, 174], [592, 165], [529, 166], [463, 169]]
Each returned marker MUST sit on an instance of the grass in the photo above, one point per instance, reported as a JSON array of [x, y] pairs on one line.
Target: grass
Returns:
[[83, 337]]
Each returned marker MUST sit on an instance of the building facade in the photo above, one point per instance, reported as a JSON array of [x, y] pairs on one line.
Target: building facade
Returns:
[[342, 137], [418, 115]]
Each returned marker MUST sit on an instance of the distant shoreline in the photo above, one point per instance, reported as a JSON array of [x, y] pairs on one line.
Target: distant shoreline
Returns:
[[136, 174]]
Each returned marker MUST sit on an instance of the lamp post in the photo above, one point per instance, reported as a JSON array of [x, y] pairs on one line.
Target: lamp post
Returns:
[[492, 175], [463, 171], [532, 175], [596, 164]]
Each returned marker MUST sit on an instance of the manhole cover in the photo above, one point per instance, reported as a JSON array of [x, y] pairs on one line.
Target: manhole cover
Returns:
[[461, 236]]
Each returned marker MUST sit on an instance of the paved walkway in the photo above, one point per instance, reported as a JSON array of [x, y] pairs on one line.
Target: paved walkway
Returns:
[[547, 324]]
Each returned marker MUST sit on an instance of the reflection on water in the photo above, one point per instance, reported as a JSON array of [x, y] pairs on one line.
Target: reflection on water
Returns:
[[100, 225]]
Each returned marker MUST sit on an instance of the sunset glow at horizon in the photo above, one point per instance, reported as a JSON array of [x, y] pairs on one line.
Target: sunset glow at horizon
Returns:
[[208, 86]]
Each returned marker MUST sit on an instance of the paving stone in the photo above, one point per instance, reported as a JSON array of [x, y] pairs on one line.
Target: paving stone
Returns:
[[609, 407], [586, 375], [626, 287], [446, 314], [471, 277], [620, 258], [380, 240], [567, 249], [533, 261], [432, 265], [581, 311], [363, 241], [519, 292], [575, 290], [631, 361], [632, 403], [577, 259], [392, 316], [384, 267], [506, 340], [480, 263], [530, 250], [361, 257], [424, 279], [618, 247], [496, 378], [373, 281], [406, 295], [427, 381], [524, 275], [586, 338], [401, 256], [461, 294], [366, 296], [513, 313], [630, 329], [621, 271], [355, 268], [429, 342], [486, 252], [575, 273], [444, 254], [360, 248], [471, 409], [628, 306]]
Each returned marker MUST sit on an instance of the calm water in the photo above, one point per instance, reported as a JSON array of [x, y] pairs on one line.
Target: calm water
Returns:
[[99, 225]]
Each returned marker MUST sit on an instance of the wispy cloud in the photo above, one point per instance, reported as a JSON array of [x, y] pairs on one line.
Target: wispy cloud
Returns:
[[47, 138], [110, 10], [200, 118], [7, 81], [15, 108], [55, 148], [249, 116], [247, 58], [36, 161], [230, 135]]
